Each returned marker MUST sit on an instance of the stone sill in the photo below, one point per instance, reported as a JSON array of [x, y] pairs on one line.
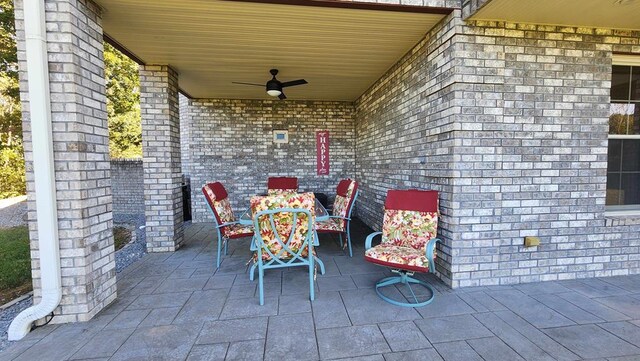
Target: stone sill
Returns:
[[613, 219]]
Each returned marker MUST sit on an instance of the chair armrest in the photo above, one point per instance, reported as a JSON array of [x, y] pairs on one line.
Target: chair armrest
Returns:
[[227, 224], [340, 217], [430, 249], [367, 242]]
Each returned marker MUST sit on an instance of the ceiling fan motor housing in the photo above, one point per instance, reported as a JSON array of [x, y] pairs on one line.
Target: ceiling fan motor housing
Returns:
[[274, 84]]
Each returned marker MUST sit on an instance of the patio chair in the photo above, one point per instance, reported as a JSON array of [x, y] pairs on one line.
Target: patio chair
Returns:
[[284, 234], [408, 241], [340, 220], [225, 221], [277, 185]]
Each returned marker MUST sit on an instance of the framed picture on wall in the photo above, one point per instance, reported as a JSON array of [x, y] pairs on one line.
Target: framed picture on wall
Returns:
[[281, 136]]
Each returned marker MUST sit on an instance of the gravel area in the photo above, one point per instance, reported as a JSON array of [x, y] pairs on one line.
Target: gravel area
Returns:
[[13, 212], [124, 258], [7, 315], [136, 249]]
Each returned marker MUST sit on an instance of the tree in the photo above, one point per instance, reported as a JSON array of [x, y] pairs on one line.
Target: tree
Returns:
[[123, 107], [12, 171], [123, 104]]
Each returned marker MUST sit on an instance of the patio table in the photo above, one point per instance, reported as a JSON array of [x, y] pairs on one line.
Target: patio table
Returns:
[[321, 214]]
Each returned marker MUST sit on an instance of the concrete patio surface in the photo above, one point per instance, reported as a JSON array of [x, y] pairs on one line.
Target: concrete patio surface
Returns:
[[176, 306]]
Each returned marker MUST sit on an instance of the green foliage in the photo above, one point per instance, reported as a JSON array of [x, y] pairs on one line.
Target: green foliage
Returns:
[[12, 172], [123, 104], [125, 135], [11, 155], [15, 260], [123, 107]]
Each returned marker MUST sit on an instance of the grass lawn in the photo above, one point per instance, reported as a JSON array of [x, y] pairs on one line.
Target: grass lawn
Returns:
[[15, 263], [15, 260]]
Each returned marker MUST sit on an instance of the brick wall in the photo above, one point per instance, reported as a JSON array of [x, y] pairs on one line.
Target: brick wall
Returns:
[[405, 132], [185, 153], [231, 142], [509, 122], [127, 186], [531, 154], [160, 111], [81, 156]]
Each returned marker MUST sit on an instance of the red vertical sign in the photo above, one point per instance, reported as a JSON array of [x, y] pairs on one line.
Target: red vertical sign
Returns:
[[322, 152]]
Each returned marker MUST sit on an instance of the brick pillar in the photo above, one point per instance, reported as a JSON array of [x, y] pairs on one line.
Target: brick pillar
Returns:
[[81, 156], [161, 150]]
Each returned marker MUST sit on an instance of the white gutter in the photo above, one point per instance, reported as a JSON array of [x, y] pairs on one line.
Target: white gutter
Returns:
[[45, 186]]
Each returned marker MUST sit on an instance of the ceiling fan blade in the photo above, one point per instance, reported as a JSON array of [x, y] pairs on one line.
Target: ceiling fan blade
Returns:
[[294, 82], [241, 83], [282, 96]]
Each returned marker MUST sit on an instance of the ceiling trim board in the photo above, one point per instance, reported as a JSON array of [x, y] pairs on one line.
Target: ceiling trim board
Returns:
[[357, 5]]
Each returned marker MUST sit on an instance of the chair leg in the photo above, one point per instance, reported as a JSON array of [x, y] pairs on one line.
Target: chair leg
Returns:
[[406, 279], [260, 284], [341, 242], [312, 287], [320, 263], [252, 271], [349, 238], [219, 248]]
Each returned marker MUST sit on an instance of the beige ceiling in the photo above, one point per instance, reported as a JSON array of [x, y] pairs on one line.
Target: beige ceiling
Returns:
[[613, 14], [340, 52]]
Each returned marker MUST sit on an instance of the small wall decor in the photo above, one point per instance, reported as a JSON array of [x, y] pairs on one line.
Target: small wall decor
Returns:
[[281, 136], [322, 152]]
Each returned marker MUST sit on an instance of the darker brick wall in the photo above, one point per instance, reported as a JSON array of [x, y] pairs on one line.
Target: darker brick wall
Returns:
[[127, 185], [231, 142]]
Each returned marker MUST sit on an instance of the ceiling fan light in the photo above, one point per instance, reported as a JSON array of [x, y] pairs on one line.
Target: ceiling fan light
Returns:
[[274, 92]]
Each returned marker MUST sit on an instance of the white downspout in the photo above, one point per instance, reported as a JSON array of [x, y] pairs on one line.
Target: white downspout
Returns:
[[45, 186]]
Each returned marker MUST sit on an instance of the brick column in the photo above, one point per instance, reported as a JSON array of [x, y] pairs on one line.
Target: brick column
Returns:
[[81, 156], [161, 150]]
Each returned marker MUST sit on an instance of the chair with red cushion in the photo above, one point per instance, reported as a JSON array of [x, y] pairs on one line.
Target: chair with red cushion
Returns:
[[226, 224], [340, 220], [408, 241], [278, 185]]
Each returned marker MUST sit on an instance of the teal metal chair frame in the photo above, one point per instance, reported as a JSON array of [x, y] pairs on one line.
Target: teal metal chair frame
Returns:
[[405, 276], [348, 226], [221, 239], [296, 258]]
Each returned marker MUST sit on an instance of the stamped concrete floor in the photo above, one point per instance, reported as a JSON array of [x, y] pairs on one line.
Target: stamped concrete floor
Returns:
[[176, 306]]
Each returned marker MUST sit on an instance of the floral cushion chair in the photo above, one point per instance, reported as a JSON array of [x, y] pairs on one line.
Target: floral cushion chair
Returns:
[[277, 185], [284, 234], [408, 241], [340, 220], [226, 224]]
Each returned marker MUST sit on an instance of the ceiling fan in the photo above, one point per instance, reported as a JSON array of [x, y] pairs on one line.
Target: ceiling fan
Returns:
[[274, 86]]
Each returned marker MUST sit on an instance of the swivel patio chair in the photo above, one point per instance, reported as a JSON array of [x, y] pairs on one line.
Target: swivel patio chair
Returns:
[[225, 222], [284, 234], [340, 220], [277, 185], [408, 241]]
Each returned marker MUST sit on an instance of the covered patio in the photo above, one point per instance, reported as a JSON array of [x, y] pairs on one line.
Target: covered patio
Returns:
[[501, 110], [176, 306]]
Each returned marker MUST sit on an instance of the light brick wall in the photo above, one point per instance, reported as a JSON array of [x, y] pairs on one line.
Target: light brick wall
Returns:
[[405, 132], [161, 152], [127, 184], [231, 142], [511, 122], [185, 152], [81, 155], [470, 7], [531, 154]]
